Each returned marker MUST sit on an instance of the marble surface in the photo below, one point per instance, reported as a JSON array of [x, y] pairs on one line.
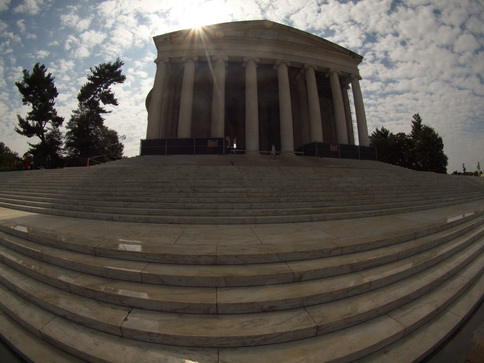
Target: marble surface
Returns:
[[325, 348], [219, 244], [294, 292], [110, 348], [31, 346], [219, 330], [422, 341]]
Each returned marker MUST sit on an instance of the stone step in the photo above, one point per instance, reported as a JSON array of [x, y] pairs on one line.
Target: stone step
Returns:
[[327, 342], [199, 204], [351, 344], [222, 219], [313, 292], [212, 209], [234, 300], [95, 346], [29, 346], [45, 258], [234, 195], [310, 252], [261, 208], [420, 342], [293, 190], [224, 171], [324, 291], [276, 327]]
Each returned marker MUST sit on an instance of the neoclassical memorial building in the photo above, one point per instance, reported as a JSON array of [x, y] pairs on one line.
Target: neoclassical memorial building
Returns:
[[249, 85]]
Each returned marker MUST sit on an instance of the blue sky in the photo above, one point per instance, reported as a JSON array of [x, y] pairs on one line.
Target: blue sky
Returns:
[[420, 56]]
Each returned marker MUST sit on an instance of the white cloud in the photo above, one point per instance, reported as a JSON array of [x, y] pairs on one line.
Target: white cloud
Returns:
[[120, 40], [4, 4], [3, 26], [30, 7], [466, 43], [21, 25], [74, 21], [83, 24], [12, 37], [40, 54], [92, 38], [456, 13]]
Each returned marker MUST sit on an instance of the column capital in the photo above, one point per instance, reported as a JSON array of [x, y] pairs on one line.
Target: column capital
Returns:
[[193, 58], [355, 76], [309, 66], [334, 71], [279, 62], [163, 59], [248, 59]]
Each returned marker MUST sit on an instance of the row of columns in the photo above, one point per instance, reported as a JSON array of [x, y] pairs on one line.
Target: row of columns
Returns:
[[155, 119]]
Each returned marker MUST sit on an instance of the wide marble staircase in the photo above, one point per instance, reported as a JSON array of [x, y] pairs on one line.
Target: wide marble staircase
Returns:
[[253, 190], [237, 259]]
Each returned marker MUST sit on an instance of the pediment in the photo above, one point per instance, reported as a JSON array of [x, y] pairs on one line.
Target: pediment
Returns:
[[268, 30], [261, 30]]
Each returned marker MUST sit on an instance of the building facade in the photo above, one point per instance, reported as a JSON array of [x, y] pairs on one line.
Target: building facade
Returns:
[[255, 83]]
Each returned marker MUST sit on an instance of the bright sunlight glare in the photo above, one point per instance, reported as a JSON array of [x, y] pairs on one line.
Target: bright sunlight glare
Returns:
[[195, 14]]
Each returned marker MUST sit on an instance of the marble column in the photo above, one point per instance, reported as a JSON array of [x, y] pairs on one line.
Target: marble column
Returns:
[[360, 112], [349, 121], [285, 108], [315, 126], [251, 106], [218, 97], [339, 111], [301, 92], [186, 100], [155, 106]]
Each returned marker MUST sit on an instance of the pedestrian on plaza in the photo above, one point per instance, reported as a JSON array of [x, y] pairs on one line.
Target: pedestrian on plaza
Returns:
[[273, 151]]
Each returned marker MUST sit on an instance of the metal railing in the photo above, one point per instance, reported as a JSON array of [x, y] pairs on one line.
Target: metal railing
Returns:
[[94, 159]]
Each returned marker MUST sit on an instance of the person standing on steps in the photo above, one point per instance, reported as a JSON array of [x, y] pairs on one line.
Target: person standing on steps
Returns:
[[273, 151], [48, 162], [227, 144]]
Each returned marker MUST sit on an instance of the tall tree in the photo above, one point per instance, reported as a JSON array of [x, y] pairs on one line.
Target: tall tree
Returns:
[[38, 91], [428, 147], [87, 136], [393, 149], [422, 149]]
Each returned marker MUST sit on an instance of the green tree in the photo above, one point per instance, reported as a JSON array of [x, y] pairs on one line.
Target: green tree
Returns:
[[393, 149], [38, 91], [87, 136], [428, 147], [9, 160], [422, 149]]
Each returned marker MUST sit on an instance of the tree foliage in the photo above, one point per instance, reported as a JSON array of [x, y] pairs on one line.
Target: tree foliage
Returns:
[[9, 160], [428, 147], [392, 148], [422, 149], [87, 136], [38, 91]]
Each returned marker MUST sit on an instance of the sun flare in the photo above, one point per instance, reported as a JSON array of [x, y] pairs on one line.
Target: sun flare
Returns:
[[197, 14]]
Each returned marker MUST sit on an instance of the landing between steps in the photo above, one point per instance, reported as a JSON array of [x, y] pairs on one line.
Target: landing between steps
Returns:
[[209, 241]]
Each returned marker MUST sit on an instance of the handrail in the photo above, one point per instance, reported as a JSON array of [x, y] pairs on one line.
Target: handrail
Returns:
[[89, 159]]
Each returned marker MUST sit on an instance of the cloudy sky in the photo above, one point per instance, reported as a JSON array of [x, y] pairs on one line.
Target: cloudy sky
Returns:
[[420, 56]]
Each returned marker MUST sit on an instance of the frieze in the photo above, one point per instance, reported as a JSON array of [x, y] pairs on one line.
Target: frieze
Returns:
[[265, 34]]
